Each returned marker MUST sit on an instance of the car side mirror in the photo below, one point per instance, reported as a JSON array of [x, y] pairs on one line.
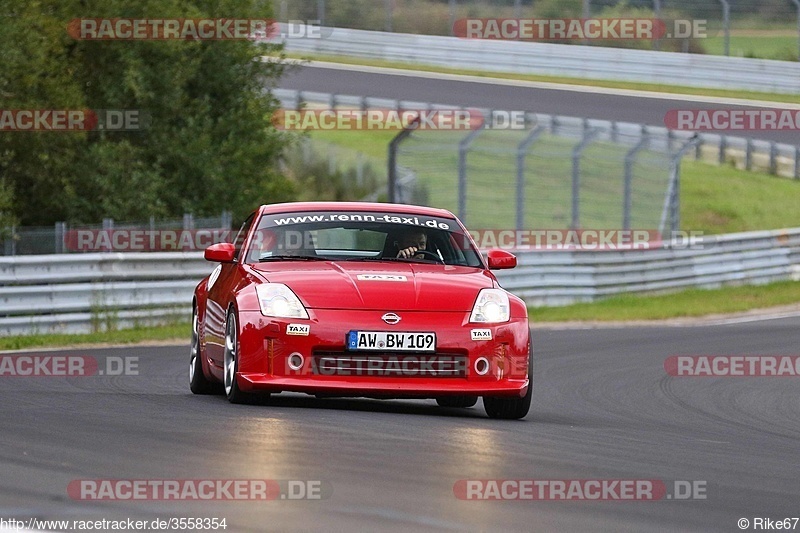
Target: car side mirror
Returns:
[[223, 252], [501, 260]]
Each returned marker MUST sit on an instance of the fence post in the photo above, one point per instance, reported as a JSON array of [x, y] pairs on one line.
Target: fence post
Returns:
[[60, 235], [588, 137], [672, 200], [723, 147], [284, 12], [394, 144], [773, 158], [389, 6], [522, 151], [586, 12], [726, 25], [321, 12], [797, 5], [630, 158], [452, 8], [748, 155], [108, 223], [657, 15], [463, 148]]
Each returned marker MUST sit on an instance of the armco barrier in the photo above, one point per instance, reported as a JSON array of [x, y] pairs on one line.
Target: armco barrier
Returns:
[[79, 293], [588, 62], [85, 292], [559, 278]]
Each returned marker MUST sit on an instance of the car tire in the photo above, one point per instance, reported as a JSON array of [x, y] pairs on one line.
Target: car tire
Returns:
[[457, 401], [198, 382], [231, 363], [511, 408]]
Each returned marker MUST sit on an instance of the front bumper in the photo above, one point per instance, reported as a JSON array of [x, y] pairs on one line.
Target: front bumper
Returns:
[[268, 356]]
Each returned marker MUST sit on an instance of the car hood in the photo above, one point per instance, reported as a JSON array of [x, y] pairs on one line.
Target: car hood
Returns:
[[388, 287]]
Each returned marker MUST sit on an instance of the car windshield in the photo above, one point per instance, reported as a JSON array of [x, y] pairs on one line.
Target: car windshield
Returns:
[[361, 236]]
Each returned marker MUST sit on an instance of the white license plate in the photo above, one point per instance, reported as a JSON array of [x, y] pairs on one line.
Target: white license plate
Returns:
[[394, 341]]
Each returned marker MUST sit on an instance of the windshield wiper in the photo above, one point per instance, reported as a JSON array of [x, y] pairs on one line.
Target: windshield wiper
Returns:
[[292, 258]]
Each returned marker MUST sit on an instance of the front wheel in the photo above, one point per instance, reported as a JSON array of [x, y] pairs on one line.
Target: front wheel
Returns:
[[511, 408], [231, 362], [198, 382]]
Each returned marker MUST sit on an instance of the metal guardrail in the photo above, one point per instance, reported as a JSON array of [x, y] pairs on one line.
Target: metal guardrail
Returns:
[[560, 278], [80, 293], [86, 292], [644, 66]]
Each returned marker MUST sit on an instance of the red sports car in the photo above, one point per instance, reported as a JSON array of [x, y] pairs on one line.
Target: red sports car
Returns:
[[360, 299]]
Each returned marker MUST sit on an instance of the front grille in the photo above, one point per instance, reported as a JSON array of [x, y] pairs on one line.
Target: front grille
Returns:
[[340, 363]]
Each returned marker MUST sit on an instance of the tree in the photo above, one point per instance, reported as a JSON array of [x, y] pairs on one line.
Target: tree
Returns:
[[209, 144], [7, 219]]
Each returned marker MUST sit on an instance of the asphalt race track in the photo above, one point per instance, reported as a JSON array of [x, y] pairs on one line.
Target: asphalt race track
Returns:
[[575, 103], [604, 408]]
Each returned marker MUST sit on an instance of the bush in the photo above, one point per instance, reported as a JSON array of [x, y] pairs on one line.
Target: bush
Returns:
[[318, 177]]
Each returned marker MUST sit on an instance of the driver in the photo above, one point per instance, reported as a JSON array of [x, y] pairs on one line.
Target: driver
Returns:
[[410, 242]]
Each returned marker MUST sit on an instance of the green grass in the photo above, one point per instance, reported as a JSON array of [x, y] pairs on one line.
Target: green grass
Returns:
[[688, 303], [721, 199], [779, 47], [650, 87], [124, 336], [374, 144]]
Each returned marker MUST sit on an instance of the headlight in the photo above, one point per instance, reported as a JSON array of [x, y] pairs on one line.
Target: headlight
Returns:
[[491, 307], [278, 300]]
